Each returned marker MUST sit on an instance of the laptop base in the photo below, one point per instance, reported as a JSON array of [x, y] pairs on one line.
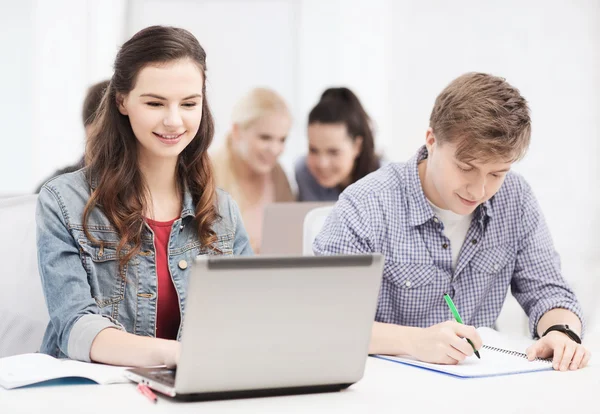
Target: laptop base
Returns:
[[272, 392], [162, 380]]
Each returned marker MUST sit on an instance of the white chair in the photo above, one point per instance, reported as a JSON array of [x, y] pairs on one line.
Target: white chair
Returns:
[[23, 312], [313, 223]]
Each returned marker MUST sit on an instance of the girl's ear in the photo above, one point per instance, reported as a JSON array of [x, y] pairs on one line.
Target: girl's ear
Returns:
[[357, 146], [121, 104]]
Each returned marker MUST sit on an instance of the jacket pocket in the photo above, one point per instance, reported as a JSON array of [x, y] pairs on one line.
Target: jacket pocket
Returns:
[[107, 281], [223, 246]]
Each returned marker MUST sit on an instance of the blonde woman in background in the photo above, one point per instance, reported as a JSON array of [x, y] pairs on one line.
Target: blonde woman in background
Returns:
[[246, 165]]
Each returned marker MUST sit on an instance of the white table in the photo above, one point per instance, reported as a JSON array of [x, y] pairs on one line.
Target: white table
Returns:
[[387, 387]]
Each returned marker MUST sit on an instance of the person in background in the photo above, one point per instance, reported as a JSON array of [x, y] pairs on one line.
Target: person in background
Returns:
[[90, 106], [341, 147], [246, 165], [454, 219], [116, 239]]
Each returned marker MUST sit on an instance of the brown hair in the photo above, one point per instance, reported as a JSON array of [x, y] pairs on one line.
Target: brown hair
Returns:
[[92, 101], [487, 114], [342, 106], [118, 187]]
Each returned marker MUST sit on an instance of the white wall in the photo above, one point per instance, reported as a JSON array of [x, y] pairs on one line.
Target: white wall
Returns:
[[15, 105], [346, 43], [56, 50], [75, 44]]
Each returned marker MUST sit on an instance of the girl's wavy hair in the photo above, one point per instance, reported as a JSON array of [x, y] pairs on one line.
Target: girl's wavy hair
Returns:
[[118, 188]]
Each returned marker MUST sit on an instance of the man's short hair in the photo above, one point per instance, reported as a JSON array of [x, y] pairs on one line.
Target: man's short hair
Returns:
[[92, 101], [485, 116]]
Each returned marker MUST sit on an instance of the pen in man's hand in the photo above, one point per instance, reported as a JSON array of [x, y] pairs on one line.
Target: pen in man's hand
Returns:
[[458, 319]]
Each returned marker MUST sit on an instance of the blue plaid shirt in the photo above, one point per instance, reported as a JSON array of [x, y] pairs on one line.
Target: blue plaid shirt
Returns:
[[508, 245]]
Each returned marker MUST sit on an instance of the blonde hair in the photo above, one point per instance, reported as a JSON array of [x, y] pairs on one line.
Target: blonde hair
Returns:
[[257, 103], [487, 114]]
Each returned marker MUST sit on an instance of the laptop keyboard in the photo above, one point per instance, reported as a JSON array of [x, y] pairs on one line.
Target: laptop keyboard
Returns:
[[167, 377]]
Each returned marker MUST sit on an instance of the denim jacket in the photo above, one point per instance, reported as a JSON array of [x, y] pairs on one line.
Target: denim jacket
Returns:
[[84, 292]]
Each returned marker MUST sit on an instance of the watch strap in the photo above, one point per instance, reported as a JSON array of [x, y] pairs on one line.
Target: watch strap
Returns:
[[564, 329]]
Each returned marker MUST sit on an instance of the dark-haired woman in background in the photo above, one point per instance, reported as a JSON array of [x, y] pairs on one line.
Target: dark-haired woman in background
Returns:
[[341, 147]]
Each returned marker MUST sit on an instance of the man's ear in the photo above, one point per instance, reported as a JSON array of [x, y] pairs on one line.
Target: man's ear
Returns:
[[430, 140], [120, 104]]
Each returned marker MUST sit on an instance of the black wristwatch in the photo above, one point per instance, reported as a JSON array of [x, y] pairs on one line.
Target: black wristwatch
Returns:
[[564, 329]]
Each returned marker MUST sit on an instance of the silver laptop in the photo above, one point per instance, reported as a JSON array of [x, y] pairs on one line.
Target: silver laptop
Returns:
[[283, 225], [260, 326]]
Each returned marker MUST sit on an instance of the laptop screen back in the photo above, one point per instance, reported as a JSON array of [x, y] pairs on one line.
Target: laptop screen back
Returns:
[[267, 322]]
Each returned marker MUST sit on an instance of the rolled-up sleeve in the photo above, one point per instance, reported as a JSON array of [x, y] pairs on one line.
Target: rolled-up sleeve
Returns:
[[74, 315], [346, 229], [538, 284]]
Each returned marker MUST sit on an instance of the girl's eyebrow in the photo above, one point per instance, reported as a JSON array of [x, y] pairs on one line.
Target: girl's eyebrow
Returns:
[[152, 95]]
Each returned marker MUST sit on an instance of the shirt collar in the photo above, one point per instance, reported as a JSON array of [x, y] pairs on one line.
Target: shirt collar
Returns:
[[187, 206], [418, 208]]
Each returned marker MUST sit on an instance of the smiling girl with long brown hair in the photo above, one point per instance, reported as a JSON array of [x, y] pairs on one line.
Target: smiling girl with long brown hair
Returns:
[[116, 240]]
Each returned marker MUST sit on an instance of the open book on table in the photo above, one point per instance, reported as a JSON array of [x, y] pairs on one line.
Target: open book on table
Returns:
[[26, 369], [500, 355]]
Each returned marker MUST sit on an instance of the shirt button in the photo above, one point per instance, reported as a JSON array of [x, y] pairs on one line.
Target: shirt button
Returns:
[[436, 220], [445, 245], [474, 241], [496, 266], [183, 264], [407, 283]]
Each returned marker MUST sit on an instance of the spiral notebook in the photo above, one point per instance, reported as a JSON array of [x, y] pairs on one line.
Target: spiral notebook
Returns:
[[500, 355]]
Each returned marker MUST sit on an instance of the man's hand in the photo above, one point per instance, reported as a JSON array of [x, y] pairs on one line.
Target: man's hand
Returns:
[[444, 344], [566, 354]]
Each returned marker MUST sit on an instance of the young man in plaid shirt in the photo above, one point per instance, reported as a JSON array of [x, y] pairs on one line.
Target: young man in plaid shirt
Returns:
[[454, 219]]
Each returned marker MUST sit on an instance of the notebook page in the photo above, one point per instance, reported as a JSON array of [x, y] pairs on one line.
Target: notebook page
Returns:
[[492, 363], [494, 338], [100, 373], [20, 370]]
